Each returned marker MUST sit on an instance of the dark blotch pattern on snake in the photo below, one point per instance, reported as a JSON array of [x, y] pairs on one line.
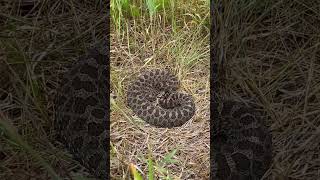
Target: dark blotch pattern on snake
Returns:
[[153, 97], [81, 108], [242, 144]]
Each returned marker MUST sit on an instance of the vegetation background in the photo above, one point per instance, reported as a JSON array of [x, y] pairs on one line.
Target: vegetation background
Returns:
[[270, 53], [272, 48]]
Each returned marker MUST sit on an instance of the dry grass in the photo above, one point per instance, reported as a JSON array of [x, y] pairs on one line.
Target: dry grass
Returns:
[[144, 44], [37, 48], [271, 54]]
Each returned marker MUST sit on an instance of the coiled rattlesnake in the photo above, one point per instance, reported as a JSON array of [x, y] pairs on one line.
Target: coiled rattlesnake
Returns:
[[153, 97], [81, 107]]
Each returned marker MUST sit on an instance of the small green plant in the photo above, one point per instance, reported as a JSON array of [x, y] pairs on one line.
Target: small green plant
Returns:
[[156, 167], [167, 160]]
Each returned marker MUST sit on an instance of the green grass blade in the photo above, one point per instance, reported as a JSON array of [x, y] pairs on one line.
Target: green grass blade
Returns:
[[151, 6], [150, 168], [168, 158], [135, 173]]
